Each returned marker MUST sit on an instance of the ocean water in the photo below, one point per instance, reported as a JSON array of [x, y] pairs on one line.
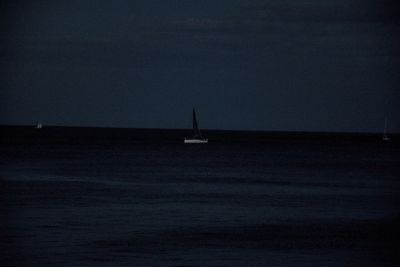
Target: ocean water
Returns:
[[146, 199]]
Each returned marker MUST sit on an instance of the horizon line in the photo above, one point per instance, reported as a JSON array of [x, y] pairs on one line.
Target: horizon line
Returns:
[[204, 129]]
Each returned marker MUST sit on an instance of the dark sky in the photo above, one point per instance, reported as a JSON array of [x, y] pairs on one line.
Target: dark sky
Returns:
[[304, 65]]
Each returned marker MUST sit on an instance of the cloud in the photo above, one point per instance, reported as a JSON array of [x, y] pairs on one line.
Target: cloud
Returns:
[[257, 22], [325, 11], [336, 25]]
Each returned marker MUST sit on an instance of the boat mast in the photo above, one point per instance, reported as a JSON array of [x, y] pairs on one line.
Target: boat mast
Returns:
[[197, 133], [195, 126], [197, 137]]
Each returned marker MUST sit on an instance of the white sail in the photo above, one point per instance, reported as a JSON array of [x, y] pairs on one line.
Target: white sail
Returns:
[[385, 137]]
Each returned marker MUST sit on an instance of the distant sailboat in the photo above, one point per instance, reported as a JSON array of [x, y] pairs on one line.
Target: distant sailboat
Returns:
[[39, 126], [385, 137], [197, 137]]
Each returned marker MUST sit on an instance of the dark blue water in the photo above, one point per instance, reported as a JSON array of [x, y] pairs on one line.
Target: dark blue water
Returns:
[[265, 202]]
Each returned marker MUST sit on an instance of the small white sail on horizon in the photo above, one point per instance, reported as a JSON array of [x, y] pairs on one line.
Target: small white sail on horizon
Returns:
[[385, 136], [39, 126]]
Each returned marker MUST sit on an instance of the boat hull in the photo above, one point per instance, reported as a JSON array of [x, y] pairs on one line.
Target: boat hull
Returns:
[[195, 141]]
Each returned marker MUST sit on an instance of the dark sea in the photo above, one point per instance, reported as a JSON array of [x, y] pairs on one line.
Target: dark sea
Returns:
[[123, 197]]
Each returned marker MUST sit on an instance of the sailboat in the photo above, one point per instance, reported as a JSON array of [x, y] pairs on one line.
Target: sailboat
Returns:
[[385, 137], [197, 137], [39, 126]]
